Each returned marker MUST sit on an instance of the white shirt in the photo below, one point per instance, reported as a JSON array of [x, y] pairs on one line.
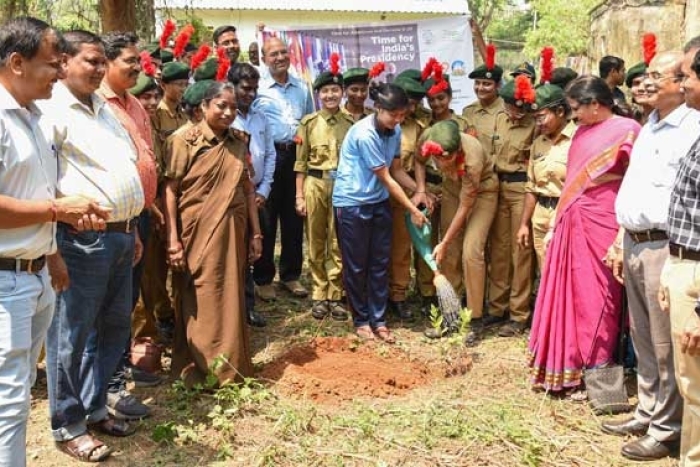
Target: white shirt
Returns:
[[28, 170], [96, 156], [645, 193], [262, 149]]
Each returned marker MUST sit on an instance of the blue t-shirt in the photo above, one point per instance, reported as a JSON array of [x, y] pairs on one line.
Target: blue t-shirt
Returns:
[[365, 149]]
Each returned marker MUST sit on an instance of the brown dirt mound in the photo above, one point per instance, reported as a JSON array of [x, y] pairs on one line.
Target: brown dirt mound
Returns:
[[330, 369]]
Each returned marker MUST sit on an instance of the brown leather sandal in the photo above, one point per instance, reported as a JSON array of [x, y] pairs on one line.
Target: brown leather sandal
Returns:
[[365, 333], [384, 334], [85, 448]]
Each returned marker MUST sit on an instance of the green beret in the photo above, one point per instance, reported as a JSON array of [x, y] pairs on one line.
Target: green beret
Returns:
[[430, 82], [412, 74], [356, 75], [413, 88], [548, 95], [525, 68], [166, 56], [561, 76], [638, 70], [327, 78], [206, 70], [507, 92], [174, 71], [144, 83], [153, 49], [481, 72], [445, 133], [195, 93]]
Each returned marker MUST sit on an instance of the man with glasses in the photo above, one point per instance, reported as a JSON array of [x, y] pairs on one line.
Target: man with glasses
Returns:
[[642, 212], [285, 100]]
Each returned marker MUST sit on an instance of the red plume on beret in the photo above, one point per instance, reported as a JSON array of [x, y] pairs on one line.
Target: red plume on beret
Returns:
[[490, 56], [168, 30], [428, 69], [182, 39], [224, 64], [440, 84], [377, 70], [335, 63], [200, 57], [431, 148], [547, 64], [649, 46], [147, 64], [524, 90]]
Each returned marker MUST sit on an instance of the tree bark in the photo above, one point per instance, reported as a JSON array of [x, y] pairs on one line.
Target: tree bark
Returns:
[[145, 20], [118, 15]]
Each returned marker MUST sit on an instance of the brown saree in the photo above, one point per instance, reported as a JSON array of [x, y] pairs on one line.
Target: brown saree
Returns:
[[212, 212]]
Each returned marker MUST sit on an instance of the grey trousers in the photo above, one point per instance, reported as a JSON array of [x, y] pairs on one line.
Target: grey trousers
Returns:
[[660, 404]]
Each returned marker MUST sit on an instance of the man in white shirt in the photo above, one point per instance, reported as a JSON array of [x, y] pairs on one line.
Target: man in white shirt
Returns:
[[245, 79], [87, 337], [30, 64], [640, 252]]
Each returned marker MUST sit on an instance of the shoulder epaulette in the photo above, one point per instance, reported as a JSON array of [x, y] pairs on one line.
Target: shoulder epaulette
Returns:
[[308, 118]]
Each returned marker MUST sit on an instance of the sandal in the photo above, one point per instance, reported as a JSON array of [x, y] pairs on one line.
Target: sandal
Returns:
[[364, 333], [384, 334], [85, 448], [114, 427], [577, 395]]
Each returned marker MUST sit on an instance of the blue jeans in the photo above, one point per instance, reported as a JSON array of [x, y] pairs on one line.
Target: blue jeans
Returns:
[[364, 235], [26, 306], [90, 329]]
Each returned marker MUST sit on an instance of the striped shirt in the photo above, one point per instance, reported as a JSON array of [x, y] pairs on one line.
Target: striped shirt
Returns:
[[684, 209], [96, 157]]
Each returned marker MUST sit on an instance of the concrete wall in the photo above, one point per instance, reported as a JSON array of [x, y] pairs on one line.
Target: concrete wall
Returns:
[[617, 27]]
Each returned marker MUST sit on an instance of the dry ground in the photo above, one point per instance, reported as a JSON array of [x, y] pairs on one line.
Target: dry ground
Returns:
[[428, 411]]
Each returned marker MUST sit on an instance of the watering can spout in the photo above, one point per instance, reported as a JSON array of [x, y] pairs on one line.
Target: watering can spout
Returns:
[[420, 236]]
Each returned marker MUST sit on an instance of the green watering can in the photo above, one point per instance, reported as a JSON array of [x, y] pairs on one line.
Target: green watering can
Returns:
[[421, 240]]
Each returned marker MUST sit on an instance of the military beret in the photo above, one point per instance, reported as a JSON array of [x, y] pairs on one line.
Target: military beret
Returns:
[[153, 49], [481, 72], [412, 74], [356, 75], [525, 68], [637, 70], [507, 92], [548, 95], [174, 71], [411, 87], [166, 56], [445, 133], [206, 70], [327, 78], [144, 83], [561, 76], [195, 92]]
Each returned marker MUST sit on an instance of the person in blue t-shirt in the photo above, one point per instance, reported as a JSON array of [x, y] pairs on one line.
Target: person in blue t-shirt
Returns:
[[369, 172]]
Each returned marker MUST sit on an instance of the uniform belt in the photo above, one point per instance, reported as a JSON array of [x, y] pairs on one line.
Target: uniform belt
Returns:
[[23, 265], [512, 177], [316, 173], [430, 177], [683, 253], [651, 235], [549, 202], [285, 146]]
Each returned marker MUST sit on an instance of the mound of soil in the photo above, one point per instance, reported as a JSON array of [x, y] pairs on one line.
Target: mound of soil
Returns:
[[332, 369]]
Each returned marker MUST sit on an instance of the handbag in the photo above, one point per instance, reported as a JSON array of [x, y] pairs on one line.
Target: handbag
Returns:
[[605, 386]]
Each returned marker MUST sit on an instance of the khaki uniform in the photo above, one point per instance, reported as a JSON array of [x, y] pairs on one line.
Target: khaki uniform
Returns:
[[400, 259], [321, 135], [464, 260], [545, 178], [482, 122], [166, 120], [510, 283], [365, 113]]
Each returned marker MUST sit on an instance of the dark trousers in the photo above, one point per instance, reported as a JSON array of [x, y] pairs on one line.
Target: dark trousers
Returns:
[[364, 235], [280, 206]]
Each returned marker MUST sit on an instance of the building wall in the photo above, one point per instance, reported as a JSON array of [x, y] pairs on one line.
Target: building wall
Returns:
[[246, 20], [692, 19]]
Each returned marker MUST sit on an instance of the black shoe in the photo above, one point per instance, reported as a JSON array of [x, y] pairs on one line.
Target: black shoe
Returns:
[[401, 310], [141, 378], [647, 448], [256, 319], [490, 320], [319, 309], [472, 338], [426, 307], [337, 310], [166, 330], [512, 329], [627, 427]]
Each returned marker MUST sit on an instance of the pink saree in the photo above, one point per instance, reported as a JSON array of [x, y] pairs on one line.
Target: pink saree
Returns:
[[576, 285]]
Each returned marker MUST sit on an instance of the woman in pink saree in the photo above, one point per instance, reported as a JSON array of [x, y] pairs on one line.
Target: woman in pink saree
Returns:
[[577, 290]]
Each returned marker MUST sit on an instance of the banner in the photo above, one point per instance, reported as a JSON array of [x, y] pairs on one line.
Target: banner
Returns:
[[399, 45]]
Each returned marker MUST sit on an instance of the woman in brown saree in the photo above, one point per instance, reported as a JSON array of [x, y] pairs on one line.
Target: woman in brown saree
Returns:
[[209, 200]]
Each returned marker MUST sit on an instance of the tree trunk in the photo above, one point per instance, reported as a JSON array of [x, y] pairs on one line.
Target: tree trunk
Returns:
[[145, 20], [118, 15]]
